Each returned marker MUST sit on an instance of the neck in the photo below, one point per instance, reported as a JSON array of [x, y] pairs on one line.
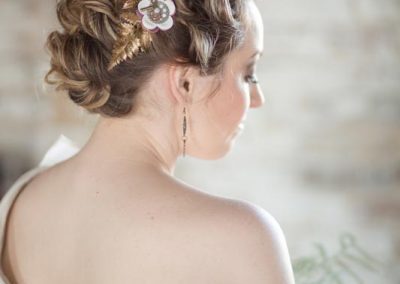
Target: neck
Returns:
[[126, 144]]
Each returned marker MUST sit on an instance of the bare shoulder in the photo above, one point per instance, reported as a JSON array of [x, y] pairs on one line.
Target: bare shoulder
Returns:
[[253, 247]]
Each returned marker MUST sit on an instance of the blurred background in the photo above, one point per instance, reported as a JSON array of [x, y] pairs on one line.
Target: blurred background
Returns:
[[322, 155]]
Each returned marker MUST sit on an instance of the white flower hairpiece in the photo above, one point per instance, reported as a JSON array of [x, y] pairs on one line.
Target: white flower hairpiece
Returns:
[[157, 14]]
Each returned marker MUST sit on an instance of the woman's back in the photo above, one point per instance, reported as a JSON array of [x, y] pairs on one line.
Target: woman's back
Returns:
[[64, 228]]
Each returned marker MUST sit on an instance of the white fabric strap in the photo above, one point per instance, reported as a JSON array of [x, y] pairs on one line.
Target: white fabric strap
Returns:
[[62, 149]]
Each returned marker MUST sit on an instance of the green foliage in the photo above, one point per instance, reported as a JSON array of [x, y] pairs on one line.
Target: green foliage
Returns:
[[325, 269]]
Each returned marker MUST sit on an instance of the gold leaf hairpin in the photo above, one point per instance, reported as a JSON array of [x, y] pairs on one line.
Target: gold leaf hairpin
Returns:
[[138, 19]]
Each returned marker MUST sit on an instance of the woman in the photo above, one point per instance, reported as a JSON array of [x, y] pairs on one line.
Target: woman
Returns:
[[168, 78]]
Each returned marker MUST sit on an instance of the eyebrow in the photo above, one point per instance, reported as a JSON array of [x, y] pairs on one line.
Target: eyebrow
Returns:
[[258, 51], [254, 54]]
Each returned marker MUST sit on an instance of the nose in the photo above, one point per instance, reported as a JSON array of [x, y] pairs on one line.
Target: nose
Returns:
[[257, 97]]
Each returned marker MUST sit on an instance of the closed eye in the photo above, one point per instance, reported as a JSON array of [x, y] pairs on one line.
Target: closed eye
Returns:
[[251, 79]]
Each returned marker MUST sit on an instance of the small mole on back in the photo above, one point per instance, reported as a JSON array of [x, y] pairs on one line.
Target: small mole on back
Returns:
[[151, 216]]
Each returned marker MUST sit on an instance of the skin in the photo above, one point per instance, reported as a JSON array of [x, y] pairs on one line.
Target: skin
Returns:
[[114, 213]]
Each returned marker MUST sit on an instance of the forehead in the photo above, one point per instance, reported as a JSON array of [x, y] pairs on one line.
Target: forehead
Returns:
[[253, 40]]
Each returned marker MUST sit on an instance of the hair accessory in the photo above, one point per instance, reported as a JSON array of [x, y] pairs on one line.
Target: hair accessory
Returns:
[[138, 19], [157, 14]]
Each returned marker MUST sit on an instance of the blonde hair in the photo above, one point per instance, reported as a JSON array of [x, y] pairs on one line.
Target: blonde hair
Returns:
[[203, 34]]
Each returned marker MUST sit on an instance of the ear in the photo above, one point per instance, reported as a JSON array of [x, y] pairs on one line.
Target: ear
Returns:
[[181, 80]]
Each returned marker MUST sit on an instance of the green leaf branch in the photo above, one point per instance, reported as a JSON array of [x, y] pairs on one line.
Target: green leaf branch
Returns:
[[337, 267]]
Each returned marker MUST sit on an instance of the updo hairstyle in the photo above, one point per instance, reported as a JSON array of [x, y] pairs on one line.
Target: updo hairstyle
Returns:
[[203, 34]]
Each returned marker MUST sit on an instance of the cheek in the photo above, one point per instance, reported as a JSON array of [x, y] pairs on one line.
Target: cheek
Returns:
[[230, 104]]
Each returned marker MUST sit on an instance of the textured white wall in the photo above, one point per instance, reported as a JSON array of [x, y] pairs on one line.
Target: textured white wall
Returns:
[[322, 155]]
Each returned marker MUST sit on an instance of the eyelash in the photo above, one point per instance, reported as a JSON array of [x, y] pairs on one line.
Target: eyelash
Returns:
[[251, 78]]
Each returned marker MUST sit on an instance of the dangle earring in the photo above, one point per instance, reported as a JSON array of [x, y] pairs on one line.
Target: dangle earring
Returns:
[[184, 137]]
